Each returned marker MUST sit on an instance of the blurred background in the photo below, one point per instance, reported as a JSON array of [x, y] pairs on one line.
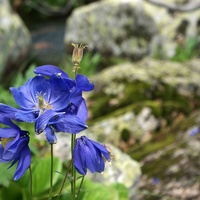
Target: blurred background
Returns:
[[144, 59]]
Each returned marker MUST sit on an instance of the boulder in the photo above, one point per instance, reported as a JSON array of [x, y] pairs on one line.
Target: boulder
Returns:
[[126, 86], [15, 42], [170, 169], [175, 29], [132, 29], [134, 100], [119, 28]]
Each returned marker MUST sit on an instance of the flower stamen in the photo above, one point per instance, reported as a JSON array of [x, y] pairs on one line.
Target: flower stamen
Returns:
[[5, 141], [42, 104]]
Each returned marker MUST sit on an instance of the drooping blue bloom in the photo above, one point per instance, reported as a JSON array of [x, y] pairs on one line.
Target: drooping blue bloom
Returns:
[[45, 102], [89, 154], [14, 147]]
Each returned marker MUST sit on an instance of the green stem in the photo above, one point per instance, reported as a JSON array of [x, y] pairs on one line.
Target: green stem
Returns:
[[81, 184], [31, 183], [64, 180], [73, 141], [73, 172], [51, 174]]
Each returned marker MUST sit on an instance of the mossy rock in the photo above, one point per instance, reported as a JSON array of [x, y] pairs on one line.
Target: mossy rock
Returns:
[[172, 158], [168, 83]]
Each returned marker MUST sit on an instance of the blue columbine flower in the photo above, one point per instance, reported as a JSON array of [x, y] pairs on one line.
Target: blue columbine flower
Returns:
[[89, 154], [81, 84], [45, 102], [14, 147]]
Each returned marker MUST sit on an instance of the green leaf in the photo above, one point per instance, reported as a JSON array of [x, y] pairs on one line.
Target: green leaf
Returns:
[[11, 193], [6, 174], [41, 174], [98, 191], [122, 191]]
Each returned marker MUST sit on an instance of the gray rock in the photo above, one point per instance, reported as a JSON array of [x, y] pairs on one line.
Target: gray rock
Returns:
[[147, 120], [112, 27], [15, 41], [131, 28], [149, 83], [123, 130], [174, 29]]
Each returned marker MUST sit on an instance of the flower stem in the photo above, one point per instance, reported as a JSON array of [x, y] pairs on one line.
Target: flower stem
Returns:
[[31, 183], [64, 180], [79, 189], [73, 170], [51, 174]]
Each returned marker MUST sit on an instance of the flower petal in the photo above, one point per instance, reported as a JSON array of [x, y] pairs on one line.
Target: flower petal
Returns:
[[26, 116], [48, 70], [1, 155], [90, 158], [82, 112], [83, 83], [50, 135], [75, 96], [44, 119], [8, 132], [15, 147], [102, 149], [59, 97], [69, 124], [79, 160], [7, 111], [23, 164], [21, 99]]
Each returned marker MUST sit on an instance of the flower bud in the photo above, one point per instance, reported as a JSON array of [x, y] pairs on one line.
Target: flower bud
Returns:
[[77, 53]]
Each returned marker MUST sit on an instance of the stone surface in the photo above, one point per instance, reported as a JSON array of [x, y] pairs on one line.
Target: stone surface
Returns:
[[119, 28], [124, 130], [132, 28], [14, 41], [133, 101], [154, 83], [172, 171]]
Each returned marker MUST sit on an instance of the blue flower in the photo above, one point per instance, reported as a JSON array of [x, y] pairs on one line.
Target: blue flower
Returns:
[[194, 131], [45, 102], [89, 154], [77, 105], [14, 147]]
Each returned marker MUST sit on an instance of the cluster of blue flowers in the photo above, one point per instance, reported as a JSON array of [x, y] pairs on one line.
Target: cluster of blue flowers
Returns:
[[54, 103]]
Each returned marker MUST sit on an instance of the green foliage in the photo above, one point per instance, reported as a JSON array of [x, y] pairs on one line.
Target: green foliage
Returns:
[[99, 191], [11, 193], [5, 174], [186, 51], [89, 64], [21, 79], [41, 180], [6, 97], [41, 174]]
